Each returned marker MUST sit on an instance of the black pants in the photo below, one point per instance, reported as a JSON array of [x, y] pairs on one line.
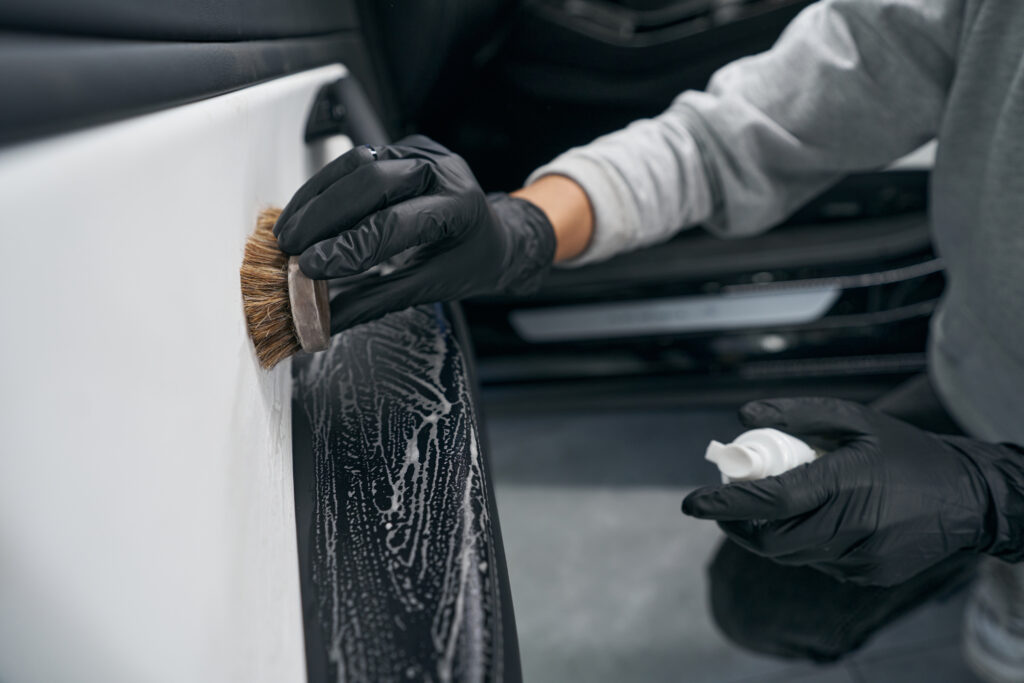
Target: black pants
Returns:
[[800, 612]]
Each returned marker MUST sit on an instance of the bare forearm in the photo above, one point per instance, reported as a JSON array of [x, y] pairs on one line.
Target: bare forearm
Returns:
[[567, 207]]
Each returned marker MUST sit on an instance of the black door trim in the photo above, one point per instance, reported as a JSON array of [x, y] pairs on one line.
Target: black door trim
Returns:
[[52, 84]]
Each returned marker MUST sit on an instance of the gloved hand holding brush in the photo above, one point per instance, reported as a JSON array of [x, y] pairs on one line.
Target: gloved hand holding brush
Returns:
[[887, 501], [371, 204]]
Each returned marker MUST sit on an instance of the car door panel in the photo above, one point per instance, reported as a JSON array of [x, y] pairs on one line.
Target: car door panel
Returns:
[[149, 509]]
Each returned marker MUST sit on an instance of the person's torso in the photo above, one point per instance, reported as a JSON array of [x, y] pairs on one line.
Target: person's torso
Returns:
[[977, 212]]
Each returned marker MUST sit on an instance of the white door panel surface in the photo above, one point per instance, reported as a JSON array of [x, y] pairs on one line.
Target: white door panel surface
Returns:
[[147, 528]]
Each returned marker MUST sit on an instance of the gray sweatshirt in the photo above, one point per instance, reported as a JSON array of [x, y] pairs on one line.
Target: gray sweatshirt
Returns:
[[852, 85]]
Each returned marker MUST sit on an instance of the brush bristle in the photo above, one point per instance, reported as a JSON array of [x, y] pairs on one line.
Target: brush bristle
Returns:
[[265, 294]]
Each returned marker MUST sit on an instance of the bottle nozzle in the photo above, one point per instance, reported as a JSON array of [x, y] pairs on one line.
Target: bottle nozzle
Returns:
[[758, 453], [733, 460]]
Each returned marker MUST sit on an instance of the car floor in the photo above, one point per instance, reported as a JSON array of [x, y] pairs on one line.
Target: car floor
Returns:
[[608, 577]]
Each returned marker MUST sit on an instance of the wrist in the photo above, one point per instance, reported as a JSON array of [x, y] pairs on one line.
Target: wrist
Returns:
[[528, 243], [1001, 470], [1006, 481], [568, 210]]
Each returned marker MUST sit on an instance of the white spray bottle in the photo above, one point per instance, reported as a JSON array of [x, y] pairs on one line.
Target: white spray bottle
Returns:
[[757, 454]]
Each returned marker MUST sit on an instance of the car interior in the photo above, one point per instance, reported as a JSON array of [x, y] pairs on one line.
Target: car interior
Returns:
[[525, 82]]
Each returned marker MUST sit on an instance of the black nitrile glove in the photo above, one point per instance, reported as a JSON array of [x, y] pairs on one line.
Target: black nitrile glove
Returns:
[[371, 204], [888, 501]]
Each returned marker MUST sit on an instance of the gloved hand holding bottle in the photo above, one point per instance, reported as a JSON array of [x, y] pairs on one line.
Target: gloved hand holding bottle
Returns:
[[885, 502], [371, 204]]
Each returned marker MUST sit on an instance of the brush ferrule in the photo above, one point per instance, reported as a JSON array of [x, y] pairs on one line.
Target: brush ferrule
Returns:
[[311, 311]]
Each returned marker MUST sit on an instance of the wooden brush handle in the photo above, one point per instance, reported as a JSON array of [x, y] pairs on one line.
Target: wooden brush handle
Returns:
[[311, 312]]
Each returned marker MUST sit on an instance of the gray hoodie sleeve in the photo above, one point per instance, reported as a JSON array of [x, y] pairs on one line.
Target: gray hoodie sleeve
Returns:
[[850, 85]]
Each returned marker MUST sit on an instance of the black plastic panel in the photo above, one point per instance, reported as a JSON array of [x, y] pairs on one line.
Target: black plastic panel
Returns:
[[54, 83], [183, 20], [403, 576]]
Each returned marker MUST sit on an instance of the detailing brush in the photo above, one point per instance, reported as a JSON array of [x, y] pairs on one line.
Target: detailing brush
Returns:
[[285, 310]]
